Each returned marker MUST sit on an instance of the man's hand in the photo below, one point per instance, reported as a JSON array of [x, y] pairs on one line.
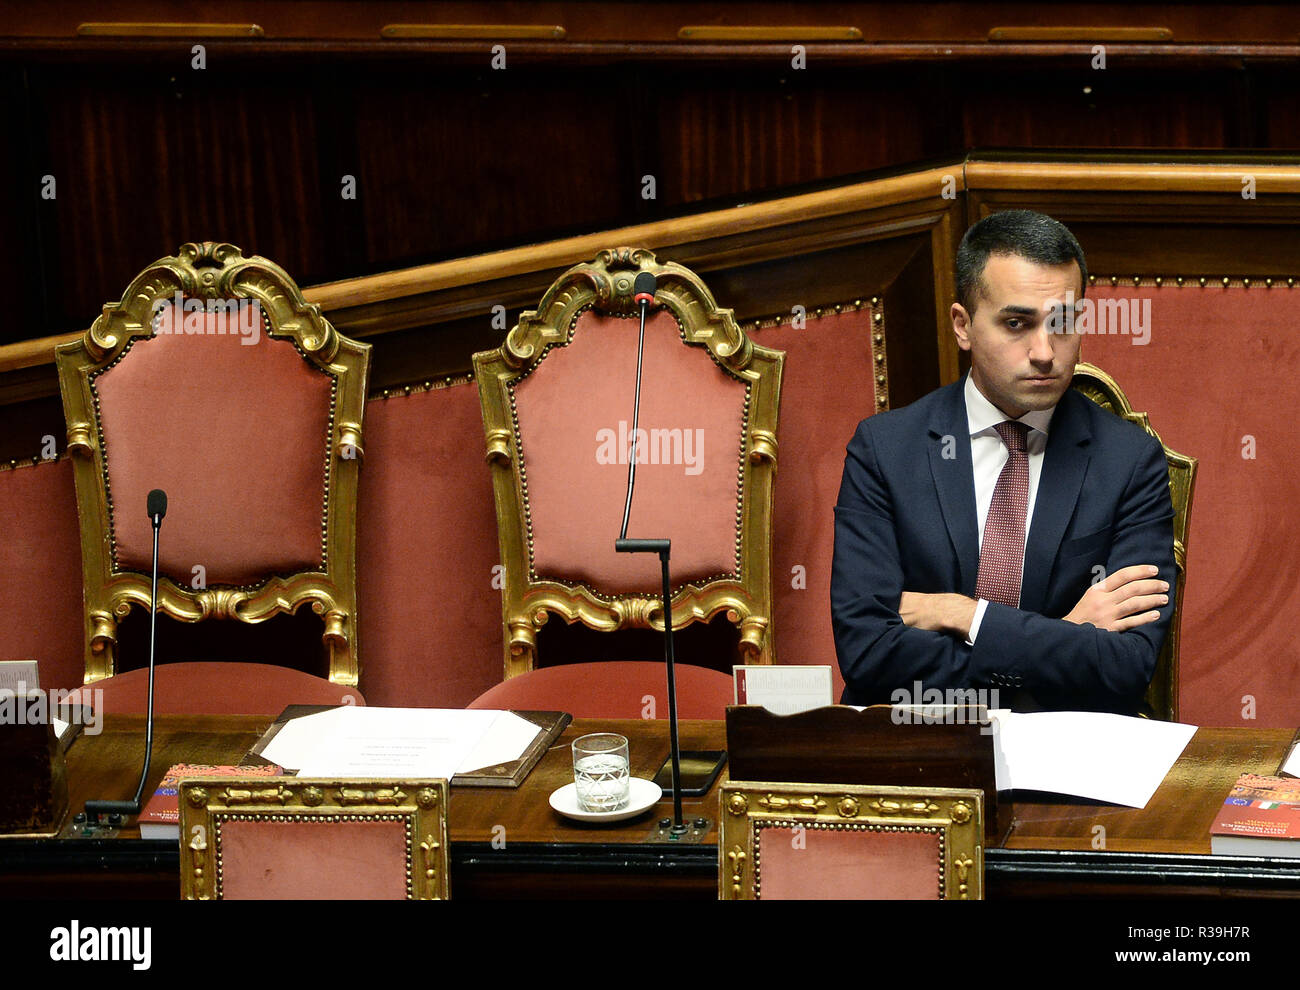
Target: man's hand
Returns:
[[1121, 601], [945, 613]]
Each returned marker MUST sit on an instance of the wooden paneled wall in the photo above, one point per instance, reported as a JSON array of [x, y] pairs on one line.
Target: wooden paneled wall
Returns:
[[891, 237], [454, 153]]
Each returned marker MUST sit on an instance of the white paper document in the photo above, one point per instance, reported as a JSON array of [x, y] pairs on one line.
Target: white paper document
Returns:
[[1111, 758], [354, 741], [507, 738], [1291, 766]]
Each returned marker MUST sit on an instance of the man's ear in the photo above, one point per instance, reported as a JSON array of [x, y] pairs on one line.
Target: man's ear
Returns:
[[961, 325]]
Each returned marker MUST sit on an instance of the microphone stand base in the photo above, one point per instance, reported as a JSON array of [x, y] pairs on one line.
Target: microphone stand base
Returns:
[[693, 833], [74, 829]]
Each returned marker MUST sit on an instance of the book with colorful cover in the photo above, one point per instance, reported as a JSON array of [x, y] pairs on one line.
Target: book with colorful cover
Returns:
[[161, 817], [1261, 817]]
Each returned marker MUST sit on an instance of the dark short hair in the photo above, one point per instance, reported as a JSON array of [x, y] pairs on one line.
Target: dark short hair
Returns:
[[1023, 233]]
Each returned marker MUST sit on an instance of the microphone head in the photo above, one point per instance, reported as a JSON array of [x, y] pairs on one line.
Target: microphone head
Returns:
[[643, 289], [157, 503]]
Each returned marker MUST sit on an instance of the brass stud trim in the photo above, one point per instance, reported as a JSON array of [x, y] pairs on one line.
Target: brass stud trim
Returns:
[[1200, 281]]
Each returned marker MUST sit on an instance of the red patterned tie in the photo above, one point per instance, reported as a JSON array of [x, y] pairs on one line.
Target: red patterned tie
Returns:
[[1002, 553]]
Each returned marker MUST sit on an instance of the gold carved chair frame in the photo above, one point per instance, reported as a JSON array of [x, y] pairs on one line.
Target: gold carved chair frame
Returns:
[[956, 815], [218, 271], [1101, 388], [209, 803], [605, 285]]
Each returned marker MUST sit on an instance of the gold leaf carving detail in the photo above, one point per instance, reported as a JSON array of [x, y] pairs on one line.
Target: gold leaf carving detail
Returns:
[[357, 795], [774, 802], [924, 807], [233, 796], [430, 847], [737, 858]]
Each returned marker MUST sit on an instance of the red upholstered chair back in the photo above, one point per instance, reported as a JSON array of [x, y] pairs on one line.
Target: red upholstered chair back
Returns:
[[215, 381], [574, 419], [850, 842], [178, 411], [557, 403], [295, 838]]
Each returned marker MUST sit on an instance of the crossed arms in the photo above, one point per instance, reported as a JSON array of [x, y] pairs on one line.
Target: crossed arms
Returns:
[[895, 622]]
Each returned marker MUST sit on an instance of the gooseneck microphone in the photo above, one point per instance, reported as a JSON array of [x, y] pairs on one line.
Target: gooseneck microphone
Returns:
[[643, 293], [157, 508]]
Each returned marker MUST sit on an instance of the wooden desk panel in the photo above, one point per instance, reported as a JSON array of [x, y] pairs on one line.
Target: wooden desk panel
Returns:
[[107, 766], [1162, 849], [528, 817], [1179, 815]]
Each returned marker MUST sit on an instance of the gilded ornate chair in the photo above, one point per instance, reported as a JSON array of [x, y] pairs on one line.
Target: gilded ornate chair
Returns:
[[295, 838], [215, 381], [850, 842], [557, 407], [1162, 694]]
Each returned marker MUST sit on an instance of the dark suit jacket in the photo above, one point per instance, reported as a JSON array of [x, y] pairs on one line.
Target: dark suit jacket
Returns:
[[906, 521]]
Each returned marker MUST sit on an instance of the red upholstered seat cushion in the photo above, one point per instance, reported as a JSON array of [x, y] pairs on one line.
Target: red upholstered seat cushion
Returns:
[[215, 689], [617, 689]]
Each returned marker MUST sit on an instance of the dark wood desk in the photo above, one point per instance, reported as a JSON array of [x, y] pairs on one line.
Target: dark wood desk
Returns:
[[509, 843]]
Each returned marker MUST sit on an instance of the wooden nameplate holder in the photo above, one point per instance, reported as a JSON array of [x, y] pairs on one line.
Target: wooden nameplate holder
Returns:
[[841, 745], [34, 798]]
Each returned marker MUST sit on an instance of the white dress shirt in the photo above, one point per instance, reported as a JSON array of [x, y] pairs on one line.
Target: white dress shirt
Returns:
[[988, 456]]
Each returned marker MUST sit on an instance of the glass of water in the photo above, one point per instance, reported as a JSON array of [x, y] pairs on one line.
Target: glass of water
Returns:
[[600, 771]]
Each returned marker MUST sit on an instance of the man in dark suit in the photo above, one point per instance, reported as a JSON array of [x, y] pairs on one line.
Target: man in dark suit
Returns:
[[1004, 531]]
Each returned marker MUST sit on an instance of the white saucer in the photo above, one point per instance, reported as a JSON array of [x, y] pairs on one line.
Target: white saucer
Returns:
[[641, 794]]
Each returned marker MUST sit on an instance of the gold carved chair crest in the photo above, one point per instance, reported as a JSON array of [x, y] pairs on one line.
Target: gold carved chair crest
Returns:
[[214, 380], [1101, 388], [557, 408]]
